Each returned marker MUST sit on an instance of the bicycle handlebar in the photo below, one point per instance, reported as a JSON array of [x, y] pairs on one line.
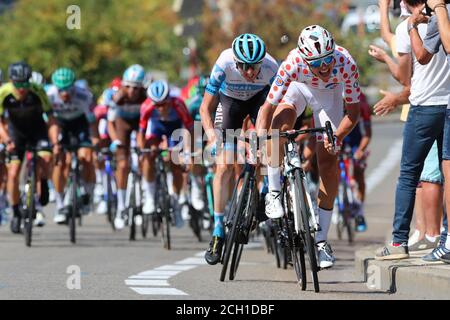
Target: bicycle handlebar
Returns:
[[291, 134]]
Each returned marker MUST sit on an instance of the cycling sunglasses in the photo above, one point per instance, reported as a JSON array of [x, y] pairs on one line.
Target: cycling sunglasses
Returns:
[[66, 89], [319, 62], [133, 87], [22, 85], [246, 66]]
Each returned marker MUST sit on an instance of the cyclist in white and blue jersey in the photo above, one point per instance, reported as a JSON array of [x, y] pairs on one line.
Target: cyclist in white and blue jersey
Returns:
[[240, 82]]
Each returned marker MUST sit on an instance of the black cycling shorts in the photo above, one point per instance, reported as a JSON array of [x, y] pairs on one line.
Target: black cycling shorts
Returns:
[[77, 128], [33, 138], [231, 112]]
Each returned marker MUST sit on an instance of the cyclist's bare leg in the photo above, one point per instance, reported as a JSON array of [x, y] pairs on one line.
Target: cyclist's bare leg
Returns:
[[59, 178], [86, 157], [329, 180], [13, 182]]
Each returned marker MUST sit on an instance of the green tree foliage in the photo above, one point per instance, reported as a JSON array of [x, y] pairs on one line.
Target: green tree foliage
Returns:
[[113, 35], [271, 19]]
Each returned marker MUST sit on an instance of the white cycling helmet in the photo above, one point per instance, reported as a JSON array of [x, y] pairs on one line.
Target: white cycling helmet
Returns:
[[158, 91], [315, 42], [134, 76]]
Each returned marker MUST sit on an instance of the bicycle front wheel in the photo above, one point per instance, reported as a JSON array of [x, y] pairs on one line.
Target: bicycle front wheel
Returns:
[[31, 208], [235, 223], [300, 196]]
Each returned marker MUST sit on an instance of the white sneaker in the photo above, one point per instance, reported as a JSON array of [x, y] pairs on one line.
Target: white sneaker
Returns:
[[40, 219], [60, 217], [197, 197], [149, 206], [119, 222], [274, 208], [102, 207]]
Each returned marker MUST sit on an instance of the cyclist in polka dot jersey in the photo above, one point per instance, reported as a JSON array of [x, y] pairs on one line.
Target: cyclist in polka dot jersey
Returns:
[[294, 68], [324, 76]]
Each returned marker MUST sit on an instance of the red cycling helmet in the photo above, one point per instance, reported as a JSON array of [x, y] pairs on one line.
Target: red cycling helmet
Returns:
[[116, 83]]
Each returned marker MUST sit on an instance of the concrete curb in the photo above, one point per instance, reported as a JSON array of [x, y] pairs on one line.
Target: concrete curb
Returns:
[[412, 277]]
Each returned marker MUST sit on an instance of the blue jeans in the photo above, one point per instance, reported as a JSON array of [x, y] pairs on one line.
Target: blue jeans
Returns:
[[425, 125]]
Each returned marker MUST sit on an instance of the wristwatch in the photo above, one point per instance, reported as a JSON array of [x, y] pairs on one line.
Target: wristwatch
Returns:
[[411, 26]]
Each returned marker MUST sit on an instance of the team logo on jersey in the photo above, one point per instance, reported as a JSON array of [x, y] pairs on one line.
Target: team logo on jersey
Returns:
[[279, 82], [356, 84], [331, 85]]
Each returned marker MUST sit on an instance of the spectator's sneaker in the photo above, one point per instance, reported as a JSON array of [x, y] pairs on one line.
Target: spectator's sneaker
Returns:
[[149, 206], [325, 255], [214, 252], [391, 252], [446, 257], [119, 222], [15, 224], [360, 224], [423, 244], [60, 216], [102, 207], [274, 208], [436, 254]]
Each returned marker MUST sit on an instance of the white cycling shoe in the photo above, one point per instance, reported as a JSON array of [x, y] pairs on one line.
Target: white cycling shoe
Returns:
[[149, 206], [102, 207], [197, 197], [325, 255], [40, 219], [119, 222], [274, 208]]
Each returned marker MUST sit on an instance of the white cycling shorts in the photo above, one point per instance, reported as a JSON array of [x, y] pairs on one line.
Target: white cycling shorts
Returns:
[[326, 104]]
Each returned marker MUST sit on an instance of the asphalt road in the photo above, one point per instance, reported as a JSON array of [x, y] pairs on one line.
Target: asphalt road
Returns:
[[112, 267]]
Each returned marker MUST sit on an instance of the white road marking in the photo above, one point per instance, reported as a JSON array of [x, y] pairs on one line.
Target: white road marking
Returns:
[[159, 291], [156, 277], [192, 261], [174, 268], [156, 283], [151, 280], [386, 166], [159, 273]]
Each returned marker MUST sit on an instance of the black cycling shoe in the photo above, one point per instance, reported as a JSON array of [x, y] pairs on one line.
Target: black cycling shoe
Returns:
[[15, 224], [214, 252]]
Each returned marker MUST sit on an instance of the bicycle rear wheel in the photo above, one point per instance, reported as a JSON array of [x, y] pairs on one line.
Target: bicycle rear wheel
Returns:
[[306, 230]]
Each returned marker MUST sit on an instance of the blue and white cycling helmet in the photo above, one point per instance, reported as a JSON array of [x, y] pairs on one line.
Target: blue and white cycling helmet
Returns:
[[158, 91], [134, 76], [249, 48]]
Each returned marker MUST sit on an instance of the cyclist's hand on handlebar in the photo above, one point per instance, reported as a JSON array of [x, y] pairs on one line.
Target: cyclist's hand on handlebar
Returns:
[[114, 145], [328, 145]]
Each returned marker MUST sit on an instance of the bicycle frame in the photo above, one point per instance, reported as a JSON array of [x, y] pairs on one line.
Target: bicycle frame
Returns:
[[292, 163]]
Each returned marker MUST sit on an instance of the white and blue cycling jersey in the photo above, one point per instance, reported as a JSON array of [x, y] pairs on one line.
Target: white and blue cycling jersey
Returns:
[[81, 103], [227, 79]]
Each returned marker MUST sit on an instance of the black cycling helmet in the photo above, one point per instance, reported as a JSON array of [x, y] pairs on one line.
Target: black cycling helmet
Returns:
[[19, 72]]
